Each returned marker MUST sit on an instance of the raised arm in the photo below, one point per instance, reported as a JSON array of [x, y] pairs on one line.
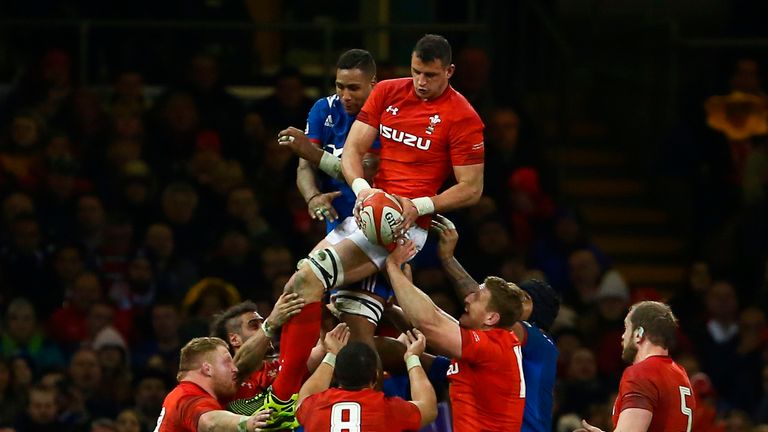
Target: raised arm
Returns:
[[251, 355], [422, 392], [359, 140], [319, 381], [463, 283], [441, 330]]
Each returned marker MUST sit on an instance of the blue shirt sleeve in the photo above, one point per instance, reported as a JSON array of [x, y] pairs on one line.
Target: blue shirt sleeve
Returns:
[[316, 119]]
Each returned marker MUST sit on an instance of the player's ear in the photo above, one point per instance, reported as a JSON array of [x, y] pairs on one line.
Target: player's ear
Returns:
[[206, 369], [450, 70], [234, 339], [639, 332], [492, 318]]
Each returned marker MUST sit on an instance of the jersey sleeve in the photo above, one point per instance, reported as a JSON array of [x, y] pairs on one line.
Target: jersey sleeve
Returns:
[[466, 139], [316, 120], [370, 114], [306, 408], [638, 390], [190, 409], [476, 347], [405, 413]]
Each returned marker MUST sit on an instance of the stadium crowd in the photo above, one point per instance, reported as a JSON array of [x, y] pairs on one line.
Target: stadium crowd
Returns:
[[128, 222]]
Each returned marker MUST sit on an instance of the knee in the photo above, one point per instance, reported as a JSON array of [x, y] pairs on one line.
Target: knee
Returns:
[[306, 284]]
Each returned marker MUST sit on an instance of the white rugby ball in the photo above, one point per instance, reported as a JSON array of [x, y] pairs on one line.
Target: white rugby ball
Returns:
[[379, 214]]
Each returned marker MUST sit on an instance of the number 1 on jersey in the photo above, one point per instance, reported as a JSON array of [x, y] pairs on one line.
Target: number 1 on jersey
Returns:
[[345, 417]]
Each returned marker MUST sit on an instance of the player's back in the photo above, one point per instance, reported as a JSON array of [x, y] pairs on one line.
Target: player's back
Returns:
[[362, 410], [539, 368], [183, 407], [661, 386]]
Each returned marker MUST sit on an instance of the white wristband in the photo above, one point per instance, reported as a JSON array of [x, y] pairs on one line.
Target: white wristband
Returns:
[[330, 359], [424, 205], [412, 361], [267, 329], [359, 184], [330, 165]]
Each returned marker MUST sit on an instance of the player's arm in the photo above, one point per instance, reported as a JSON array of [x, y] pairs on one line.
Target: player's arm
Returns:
[[463, 283], [359, 141], [422, 392], [250, 356], [630, 420], [309, 150], [320, 380], [220, 420], [441, 330]]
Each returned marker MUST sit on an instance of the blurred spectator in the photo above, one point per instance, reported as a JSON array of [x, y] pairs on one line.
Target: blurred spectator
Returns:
[[128, 421], [128, 92], [114, 360], [612, 301], [150, 388], [473, 67], [69, 324], [42, 412], [179, 206], [22, 335], [24, 260], [582, 388], [716, 343], [21, 164], [233, 260], [288, 105], [86, 375], [9, 405], [203, 300], [244, 211], [688, 303], [276, 260], [90, 220], [173, 139], [160, 348], [551, 253], [530, 209], [172, 274]]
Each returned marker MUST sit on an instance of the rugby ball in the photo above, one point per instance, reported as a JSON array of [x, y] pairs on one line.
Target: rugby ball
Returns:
[[379, 214]]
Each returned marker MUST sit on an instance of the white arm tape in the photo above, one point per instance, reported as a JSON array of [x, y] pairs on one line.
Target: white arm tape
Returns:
[[359, 184], [424, 205], [330, 165]]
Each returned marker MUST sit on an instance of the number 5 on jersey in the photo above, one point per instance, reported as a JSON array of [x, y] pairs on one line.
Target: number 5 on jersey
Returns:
[[685, 391]]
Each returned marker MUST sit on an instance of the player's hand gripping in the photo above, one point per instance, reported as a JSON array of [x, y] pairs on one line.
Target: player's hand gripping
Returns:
[[287, 305], [443, 227], [415, 343], [299, 144], [410, 214], [587, 428], [403, 252], [319, 206], [258, 420], [365, 193], [336, 339]]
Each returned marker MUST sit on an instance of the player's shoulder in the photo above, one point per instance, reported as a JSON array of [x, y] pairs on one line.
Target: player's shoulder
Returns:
[[395, 84], [326, 104], [460, 105]]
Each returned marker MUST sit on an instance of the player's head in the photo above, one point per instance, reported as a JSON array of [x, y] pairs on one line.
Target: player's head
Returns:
[[208, 358], [357, 366], [540, 304], [355, 78], [431, 66], [497, 303], [647, 322], [237, 324]]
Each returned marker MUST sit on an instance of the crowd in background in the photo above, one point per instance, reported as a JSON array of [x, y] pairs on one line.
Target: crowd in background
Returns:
[[127, 222]]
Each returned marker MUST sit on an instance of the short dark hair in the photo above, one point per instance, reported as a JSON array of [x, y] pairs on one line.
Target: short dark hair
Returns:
[[657, 320], [433, 47], [357, 366], [546, 302], [357, 59], [228, 321], [506, 299]]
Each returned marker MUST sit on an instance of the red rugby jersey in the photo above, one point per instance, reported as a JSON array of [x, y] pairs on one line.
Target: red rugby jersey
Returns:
[[487, 383], [363, 410], [421, 140], [661, 386], [183, 407]]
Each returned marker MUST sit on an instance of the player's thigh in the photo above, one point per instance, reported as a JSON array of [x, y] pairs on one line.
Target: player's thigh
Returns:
[[357, 266]]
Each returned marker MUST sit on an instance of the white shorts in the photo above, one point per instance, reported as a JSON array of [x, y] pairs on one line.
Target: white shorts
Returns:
[[348, 229]]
